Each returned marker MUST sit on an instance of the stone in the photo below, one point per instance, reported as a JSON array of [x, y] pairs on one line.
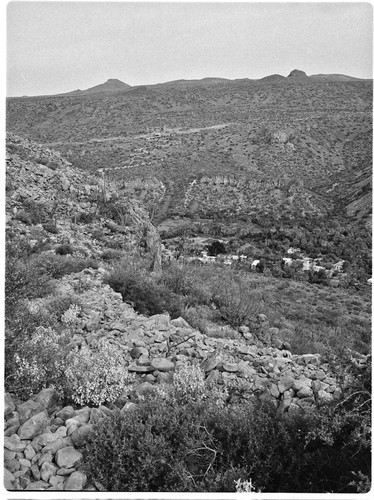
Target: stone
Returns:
[[34, 426], [9, 405], [45, 457], [230, 367], [210, 363], [68, 457], [80, 435], [246, 371], [285, 383], [304, 392], [36, 486], [13, 420], [24, 482], [35, 471], [48, 398], [56, 482], [140, 368], [42, 440], [299, 384], [274, 391], [24, 462], [324, 397], [66, 413], [162, 364], [8, 479], [144, 360], [61, 431], [12, 465], [29, 409], [56, 445], [9, 454], [11, 430], [180, 323], [65, 471], [14, 443], [75, 482], [47, 470]]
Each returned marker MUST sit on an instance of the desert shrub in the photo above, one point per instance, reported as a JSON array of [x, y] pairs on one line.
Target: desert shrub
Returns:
[[64, 249], [200, 316], [165, 445], [184, 281], [193, 444], [23, 276], [40, 362], [188, 384], [57, 306], [147, 295], [43, 161], [59, 265], [111, 254], [50, 227], [237, 301], [53, 164], [98, 375], [24, 217], [84, 217]]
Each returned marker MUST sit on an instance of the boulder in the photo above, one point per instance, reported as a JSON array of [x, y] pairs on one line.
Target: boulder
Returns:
[[47, 470], [162, 364], [68, 457], [14, 443], [66, 413], [75, 482], [210, 363], [48, 398], [80, 435], [37, 485], [29, 409]]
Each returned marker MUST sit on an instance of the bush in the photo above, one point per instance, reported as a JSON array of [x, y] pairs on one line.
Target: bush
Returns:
[[111, 254], [237, 301], [59, 265], [24, 217], [64, 249], [188, 444], [97, 376], [50, 227], [147, 295], [41, 362]]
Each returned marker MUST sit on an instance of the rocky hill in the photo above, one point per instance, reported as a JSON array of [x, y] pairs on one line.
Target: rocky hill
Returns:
[[309, 131]]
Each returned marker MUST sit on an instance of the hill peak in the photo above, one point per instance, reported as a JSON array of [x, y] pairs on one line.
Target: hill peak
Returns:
[[296, 73]]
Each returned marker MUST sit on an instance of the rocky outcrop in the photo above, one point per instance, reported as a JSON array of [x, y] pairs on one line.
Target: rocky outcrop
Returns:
[[44, 189]]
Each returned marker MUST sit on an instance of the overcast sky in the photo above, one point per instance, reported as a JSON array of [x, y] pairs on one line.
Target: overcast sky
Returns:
[[55, 47]]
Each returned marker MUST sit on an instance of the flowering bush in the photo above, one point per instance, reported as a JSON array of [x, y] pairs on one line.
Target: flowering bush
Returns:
[[188, 384], [70, 317], [97, 376], [42, 362]]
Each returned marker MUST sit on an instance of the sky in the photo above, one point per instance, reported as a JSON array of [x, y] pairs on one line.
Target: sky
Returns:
[[54, 47]]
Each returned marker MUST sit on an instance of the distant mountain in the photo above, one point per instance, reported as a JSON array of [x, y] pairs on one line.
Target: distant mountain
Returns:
[[111, 85], [272, 79], [335, 78]]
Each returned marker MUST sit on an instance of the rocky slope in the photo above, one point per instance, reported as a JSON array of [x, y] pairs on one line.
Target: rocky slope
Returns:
[[43, 438]]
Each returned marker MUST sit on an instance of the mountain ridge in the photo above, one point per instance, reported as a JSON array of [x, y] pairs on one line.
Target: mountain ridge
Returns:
[[113, 85]]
